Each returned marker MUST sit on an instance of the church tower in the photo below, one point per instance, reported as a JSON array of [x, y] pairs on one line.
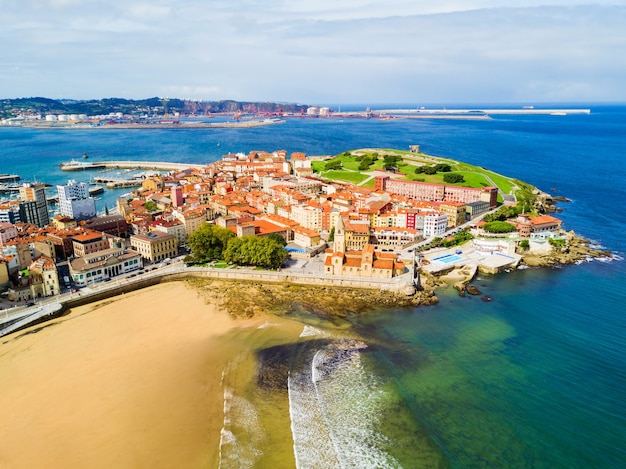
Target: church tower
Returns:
[[339, 243]]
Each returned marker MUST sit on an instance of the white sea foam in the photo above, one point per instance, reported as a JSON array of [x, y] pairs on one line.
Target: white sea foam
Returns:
[[241, 436], [310, 331], [335, 408], [267, 324]]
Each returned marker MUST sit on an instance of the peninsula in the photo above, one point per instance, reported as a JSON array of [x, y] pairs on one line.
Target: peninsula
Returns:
[[395, 224]]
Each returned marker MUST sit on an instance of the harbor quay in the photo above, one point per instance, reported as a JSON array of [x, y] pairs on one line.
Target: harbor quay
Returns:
[[156, 165]]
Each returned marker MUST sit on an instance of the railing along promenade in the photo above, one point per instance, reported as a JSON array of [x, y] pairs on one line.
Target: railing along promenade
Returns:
[[55, 306]]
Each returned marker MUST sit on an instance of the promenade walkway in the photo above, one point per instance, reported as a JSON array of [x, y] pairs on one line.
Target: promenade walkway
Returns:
[[307, 273]]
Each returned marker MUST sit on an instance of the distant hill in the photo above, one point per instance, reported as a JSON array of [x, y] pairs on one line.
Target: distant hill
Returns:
[[12, 107]]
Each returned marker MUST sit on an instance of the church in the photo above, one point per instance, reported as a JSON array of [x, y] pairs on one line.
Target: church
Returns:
[[362, 263]]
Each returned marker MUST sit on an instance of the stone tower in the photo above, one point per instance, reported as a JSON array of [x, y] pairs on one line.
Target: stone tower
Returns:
[[339, 243]]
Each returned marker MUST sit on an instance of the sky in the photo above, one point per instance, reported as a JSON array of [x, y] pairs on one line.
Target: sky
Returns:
[[316, 52]]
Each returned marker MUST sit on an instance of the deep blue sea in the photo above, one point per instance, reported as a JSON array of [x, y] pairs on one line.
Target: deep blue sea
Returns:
[[534, 379]]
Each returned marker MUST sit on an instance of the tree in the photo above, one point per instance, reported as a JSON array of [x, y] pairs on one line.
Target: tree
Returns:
[[499, 227], [208, 242], [524, 244], [365, 164], [278, 238], [333, 164], [150, 206], [257, 251], [453, 178], [331, 236]]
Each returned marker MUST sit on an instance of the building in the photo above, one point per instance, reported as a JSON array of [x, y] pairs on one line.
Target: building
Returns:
[[437, 192], [10, 212], [394, 237], [435, 224], [305, 237], [543, 223], [101, 265], [359, 263], [4, 272], [456, 213], [34, 206], [177, 196], [75, 202], [7, 233], [307, 216], [155, 246], [473, 209], [114, 225], [89, 242], [174, 227], [44, 278], [357, 234]]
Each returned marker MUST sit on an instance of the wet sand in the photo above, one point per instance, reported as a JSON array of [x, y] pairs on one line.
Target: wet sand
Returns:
[[132, 381]]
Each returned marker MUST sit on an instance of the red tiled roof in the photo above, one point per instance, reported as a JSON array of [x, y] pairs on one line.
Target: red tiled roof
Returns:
[[383, 264]]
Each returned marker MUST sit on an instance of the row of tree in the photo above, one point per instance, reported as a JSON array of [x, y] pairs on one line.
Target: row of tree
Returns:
[[212, 242], [433, 169]]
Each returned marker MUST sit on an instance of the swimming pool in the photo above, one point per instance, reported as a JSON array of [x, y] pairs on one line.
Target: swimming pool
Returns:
[[448, 258]]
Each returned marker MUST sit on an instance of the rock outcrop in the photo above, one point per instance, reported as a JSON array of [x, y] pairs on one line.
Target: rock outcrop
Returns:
[[576, 249], [245, 299]]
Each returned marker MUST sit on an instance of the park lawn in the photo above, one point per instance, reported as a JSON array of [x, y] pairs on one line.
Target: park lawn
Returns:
[[371, 183], [474, 175], [348, 176], [318, 166], [504, 184]]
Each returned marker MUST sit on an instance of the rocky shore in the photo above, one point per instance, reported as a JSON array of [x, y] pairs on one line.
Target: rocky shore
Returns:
[[247, 299], [576, 249]]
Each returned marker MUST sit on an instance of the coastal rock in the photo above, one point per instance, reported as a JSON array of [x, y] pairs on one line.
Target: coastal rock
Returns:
[[251, 298], [576, 249], [472, 290]]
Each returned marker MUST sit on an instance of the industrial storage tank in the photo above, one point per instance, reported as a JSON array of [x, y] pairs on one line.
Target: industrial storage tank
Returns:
[[51, 118], [63, 118]]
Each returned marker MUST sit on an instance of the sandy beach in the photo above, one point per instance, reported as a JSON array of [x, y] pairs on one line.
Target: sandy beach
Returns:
[[132, 381]]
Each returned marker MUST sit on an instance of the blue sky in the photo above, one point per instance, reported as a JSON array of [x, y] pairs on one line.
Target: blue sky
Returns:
[[316, 51]]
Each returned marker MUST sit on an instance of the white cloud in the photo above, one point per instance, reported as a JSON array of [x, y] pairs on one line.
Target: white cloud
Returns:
[[401, 50]]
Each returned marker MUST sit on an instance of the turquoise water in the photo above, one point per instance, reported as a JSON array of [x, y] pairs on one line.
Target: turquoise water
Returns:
[[534, 378], [448, 258]]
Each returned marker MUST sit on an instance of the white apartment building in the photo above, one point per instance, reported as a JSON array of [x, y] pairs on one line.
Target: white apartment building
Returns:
[[435, 224], [75, 202]]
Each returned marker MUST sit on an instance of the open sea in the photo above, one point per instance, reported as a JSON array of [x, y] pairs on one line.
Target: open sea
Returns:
[[534, 379]]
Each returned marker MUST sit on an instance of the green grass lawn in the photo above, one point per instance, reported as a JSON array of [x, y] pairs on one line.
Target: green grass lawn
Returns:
[[348, 176], [475, 176]]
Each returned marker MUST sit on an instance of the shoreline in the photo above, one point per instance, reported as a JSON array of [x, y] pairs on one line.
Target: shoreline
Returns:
[[124, 382], [129, 126]]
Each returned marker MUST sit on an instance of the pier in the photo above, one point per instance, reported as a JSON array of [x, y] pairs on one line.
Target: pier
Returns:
[[156, 165], [459, 113], [114, 183]]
